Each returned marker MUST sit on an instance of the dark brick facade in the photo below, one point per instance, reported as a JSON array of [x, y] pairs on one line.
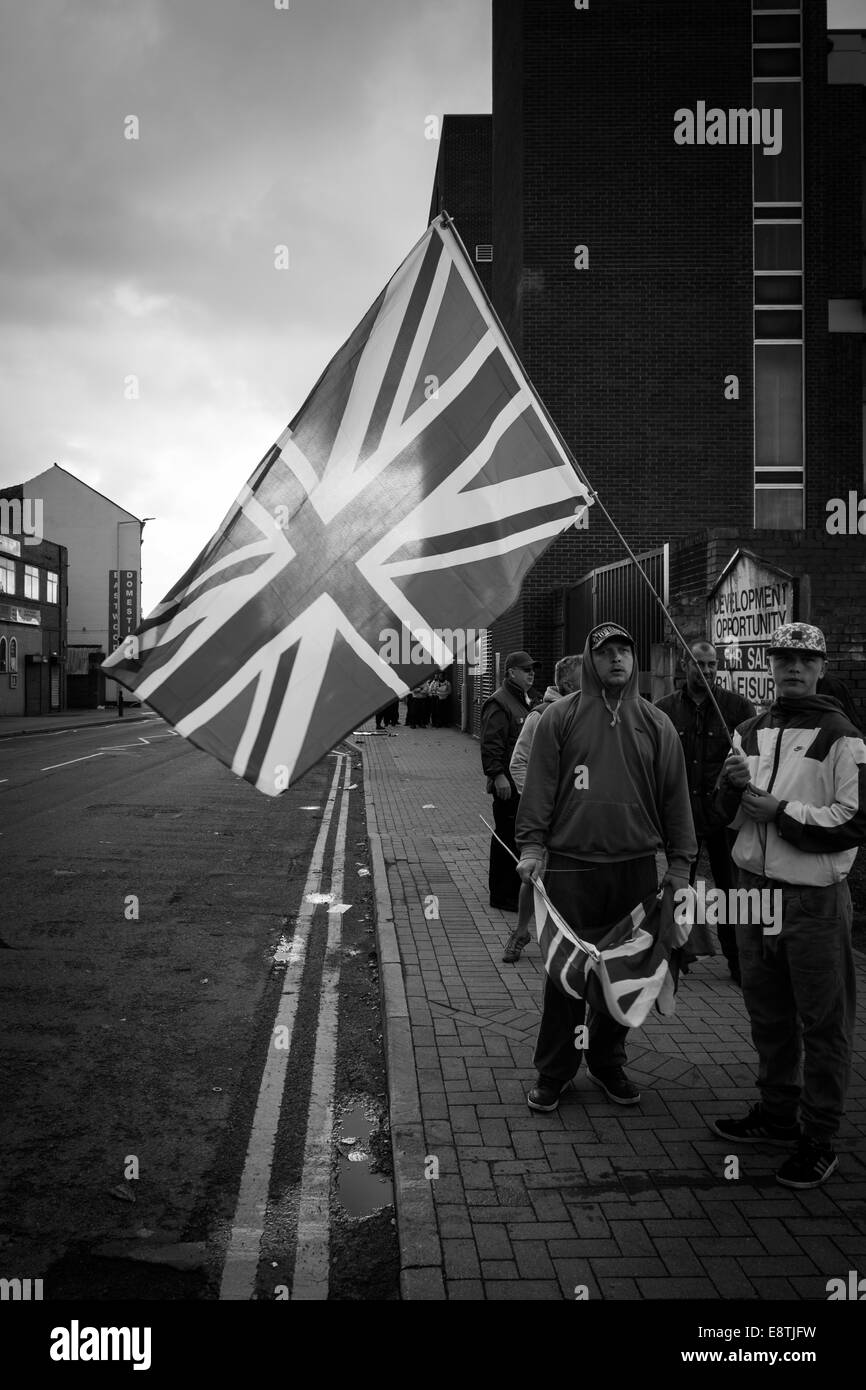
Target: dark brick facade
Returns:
[[462, 184], [630, 356]]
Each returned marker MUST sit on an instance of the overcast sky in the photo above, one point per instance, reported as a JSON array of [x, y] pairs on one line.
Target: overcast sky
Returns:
[[154, 257]]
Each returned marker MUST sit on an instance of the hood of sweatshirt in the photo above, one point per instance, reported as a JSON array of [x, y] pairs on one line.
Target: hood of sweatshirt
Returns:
[[550, 694], [602, 709]]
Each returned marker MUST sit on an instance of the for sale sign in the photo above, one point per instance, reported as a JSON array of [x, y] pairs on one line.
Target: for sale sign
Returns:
[[750, 600]]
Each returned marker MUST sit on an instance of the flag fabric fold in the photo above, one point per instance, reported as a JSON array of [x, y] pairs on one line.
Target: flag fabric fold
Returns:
[[632, 968], [412, 492]]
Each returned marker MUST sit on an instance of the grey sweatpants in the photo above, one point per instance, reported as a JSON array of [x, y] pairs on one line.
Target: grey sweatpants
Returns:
[[800, 991]]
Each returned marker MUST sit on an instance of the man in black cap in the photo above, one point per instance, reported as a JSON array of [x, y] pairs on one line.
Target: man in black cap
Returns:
[[502, 717], [605, 789], [705, 743]]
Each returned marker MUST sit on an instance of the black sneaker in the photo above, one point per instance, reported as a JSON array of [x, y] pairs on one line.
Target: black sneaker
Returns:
[[811, 1165], [756, 1128], [616, 1086], [515, 944], [545, 1095]]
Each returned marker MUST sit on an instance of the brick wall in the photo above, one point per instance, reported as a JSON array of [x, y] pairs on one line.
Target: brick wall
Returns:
[[463, 182], [630, 356]]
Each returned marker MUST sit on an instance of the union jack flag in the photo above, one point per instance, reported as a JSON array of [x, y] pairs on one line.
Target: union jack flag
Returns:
[[633, 967], [413, 490]]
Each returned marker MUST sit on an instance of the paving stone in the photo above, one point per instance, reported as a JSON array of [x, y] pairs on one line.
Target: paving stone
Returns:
[[549, 1206], [422, 1285], [631, 1237], [633, 1266], [694, 1287], [492, 1242], [499, 1269], [461, 1259], [522, 1290], [678, 1255], [618, 1288], [466, 1289]]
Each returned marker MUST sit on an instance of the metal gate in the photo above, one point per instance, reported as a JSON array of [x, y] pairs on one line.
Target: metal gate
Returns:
[[618, 593]]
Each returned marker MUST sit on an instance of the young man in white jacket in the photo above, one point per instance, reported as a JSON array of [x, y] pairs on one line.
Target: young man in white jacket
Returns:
[[795, 790], [566, 681]]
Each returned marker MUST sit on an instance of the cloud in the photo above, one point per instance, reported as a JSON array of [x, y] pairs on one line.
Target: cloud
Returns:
[[155, 257]]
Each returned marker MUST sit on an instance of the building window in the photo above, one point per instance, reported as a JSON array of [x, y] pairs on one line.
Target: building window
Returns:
[[13, 653], [779, 323], [484, 253], [50, 587], [779, 290], [777, 196], [3, 666], [7, 576], [778, 413], [777, 246], [31, 582], [777, 62]]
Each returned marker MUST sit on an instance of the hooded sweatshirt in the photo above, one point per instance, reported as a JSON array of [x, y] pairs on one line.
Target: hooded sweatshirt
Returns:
[[607, 779], [809, 756]]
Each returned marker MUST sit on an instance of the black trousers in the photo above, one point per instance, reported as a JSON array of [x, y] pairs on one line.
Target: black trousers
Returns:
[[503, 881], [719, 844], [591, 899], [439, 712]]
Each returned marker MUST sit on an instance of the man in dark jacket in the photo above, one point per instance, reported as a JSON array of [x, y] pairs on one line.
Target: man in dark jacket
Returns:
[[605, 789], [502, 719], [705, 745]]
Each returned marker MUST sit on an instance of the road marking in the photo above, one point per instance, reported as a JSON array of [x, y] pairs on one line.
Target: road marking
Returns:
[[245, 1238], [107, 748], [71, 761], [310, 1279]]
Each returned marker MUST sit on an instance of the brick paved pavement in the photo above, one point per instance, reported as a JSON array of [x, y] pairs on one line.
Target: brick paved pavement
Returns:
[[633, 1204]]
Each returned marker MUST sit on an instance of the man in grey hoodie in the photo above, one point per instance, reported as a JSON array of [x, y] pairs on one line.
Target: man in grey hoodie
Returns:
[[606, 788]]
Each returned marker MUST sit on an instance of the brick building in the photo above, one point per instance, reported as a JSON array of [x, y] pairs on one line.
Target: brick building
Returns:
[[684, 284], [33, 606]]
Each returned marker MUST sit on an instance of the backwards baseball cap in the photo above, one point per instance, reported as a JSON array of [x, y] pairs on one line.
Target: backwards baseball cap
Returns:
[[519, 659], [608, 632], [797, 637]]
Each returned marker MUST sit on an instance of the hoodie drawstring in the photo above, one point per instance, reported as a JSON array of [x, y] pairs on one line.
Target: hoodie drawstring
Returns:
[[614, 713]]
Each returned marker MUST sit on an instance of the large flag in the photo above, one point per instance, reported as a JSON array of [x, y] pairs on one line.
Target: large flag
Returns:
[[408, 497], [633, 967]]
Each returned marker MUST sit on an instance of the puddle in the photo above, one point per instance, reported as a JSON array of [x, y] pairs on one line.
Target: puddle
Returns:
[[360, 1192]]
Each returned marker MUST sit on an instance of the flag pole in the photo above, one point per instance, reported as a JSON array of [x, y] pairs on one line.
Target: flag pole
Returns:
[[447, 221], [586, 946]]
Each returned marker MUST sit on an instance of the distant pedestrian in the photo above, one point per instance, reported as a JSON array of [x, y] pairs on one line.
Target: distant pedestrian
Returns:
[[502, 717], [440, 701], [566, 682], [705, 742], [794, 789], [605, 790], [418, 706], [388, 714]]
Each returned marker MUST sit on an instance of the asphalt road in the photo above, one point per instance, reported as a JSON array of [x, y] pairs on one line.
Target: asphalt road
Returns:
[[144, 894]]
